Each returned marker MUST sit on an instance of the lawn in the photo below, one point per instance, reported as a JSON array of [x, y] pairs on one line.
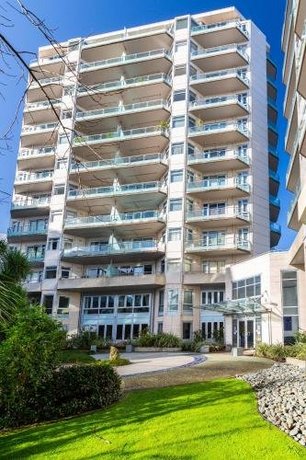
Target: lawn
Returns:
[[75, 356], [215, 420]]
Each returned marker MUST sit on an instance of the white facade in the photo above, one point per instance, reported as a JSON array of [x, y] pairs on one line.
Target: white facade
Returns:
[[164, 176]]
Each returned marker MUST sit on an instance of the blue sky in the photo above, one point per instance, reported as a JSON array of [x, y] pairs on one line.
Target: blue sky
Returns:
[[76, 18]]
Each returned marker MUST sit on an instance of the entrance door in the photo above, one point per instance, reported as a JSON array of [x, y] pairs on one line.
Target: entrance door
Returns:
[[246, 333]]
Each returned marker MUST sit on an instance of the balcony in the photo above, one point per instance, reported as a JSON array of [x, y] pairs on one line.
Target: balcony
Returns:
[[220, 133], [275, 234], [200, 278], [42, 134], [273, 157], [272, 134], [274, 208], [23, 206], [36, 259], [29, 158], [48, 87], [220, 107], [117, 252], [210, 189], [302, 133], [144, 195], [130, 65], [151, 166], [293, 169], [220, 57], [228, 246], [146, 86], [38, 182], [27, 233], [220, 82], [140, 223], [274, 182], [216, 160], [229, 216], [225, 32], [297, 249], [119, 281], [148, 112], [292, 218], [301, 64], [153, 137], [299, 13], [42, 111]]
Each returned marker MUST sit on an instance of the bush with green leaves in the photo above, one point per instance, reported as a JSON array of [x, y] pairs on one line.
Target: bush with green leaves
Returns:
[[160, 340], [65, 392], [300, 337], [85, 339], [278, 352]]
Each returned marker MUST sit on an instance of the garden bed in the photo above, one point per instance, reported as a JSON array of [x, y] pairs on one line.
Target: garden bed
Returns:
[[157, 349]]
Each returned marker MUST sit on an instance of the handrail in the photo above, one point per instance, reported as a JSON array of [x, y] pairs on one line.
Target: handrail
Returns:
[[119, 134], [115, 189], [119, 218], [130, 160], [117, 109]]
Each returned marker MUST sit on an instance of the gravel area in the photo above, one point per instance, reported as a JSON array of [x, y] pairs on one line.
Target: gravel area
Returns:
[[281, 395]]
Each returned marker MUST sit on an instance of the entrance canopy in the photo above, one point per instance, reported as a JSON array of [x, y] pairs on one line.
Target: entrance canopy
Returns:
[[251, 305]]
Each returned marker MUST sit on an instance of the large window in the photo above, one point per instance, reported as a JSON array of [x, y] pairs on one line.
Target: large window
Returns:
[[212, 297], [249, 287], [175, 204], [213, 266], [105, 304], [290, 305], [173, 299], [161, 302], [176, 175], [188, 301]]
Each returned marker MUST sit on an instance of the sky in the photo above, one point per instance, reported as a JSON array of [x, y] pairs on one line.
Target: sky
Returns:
[[76, 18]]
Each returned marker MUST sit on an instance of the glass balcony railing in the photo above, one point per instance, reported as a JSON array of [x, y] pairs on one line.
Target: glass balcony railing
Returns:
[[273, 175], [47, 81], [227, 212], [41, 104], [294, 201], [26, 153], [27, 230], [219, 127], [115, 248], [120, 161], [215, 184], [121, 109], [273, 151], [272, 126], [275, 228], [120, 84], [34, 128], [33, 177], [216, 244], [216, 75], [120, 135], [204, 28], [199, 156], [85, 66], [30, 202], [35, 257], [274, 201], [116, 190], [219, 100], [119, 218], [203, 52]]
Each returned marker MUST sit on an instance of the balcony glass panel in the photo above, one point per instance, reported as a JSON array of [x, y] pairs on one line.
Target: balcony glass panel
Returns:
[[118, 161], [128, 188], [43, 127], [120, 134], [219, 25]]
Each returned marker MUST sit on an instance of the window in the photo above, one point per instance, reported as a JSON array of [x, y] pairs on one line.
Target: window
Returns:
[[180, 45], [175, 204], [287, 323], [173, 299], [192, 96], [59, 189], [179, 70], [65, 272], [67, 114], [289, 285], [189, 234], [63, 139], [212, 297], [55, 216], [68, 90], [50, 272], [249, 287], [187, 331], [213, 238], [179, 95], [63, 305], [62, 163], [177, 149], [34, 277], [48, 304], [159, 327], [178, 122], [174, 234], [213, 266], [161, 303], [176, 175], [188, 301], [181, 24], [53, 244], [174, 265]]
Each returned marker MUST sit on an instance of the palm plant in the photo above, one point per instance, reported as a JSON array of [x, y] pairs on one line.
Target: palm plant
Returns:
[[14, 267]]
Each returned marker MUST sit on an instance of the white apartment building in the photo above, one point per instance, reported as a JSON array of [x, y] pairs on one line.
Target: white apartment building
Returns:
[[160, 175]]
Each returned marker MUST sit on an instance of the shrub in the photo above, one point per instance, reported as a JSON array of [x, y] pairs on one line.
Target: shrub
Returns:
[[277, 351], [300, 337], [67, 391], [191, 345], [160, 340], [117, 362]]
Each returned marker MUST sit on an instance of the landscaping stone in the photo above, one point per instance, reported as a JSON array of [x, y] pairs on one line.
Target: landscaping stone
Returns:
[[281, 398]]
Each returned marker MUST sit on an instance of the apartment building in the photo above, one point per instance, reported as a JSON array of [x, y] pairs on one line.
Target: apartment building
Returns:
[[147, 167]]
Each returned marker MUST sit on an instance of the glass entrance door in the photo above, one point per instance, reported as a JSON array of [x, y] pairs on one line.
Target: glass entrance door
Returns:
[[246, 333]]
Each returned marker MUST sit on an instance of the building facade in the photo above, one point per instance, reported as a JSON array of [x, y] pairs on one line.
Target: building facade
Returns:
[[147, 167]]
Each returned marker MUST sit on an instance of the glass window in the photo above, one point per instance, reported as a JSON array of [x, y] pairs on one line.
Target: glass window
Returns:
[[59, 189], [65, 272], [174, 265], [173, 299], [188, 300], [180, 45], [48, 303], [61, 163], [179, 70], [175, 204], [289, 285], [161, 302], [63, 139], [288, 323], [179, 95], [50, 272], [186, 331], [174, 234], [249, 287], [176, 175], [177, 149], [159, 327], [181, 24], [178, 122], [53, 244]]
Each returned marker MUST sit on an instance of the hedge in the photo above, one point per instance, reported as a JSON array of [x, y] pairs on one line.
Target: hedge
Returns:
[[69, 391]]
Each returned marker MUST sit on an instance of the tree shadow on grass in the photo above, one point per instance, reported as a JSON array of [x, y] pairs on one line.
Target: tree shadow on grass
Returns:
[[136, 409]]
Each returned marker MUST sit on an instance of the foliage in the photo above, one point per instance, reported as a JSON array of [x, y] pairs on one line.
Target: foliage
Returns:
[[84, 340], [214, 347], [117, 362], [300, 337], [160, 340], [279, 352], [213, 420], [67, 391], [75, 356], [195, 344]]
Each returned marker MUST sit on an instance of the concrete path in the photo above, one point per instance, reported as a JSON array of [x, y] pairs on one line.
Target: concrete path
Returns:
[[143, 363]]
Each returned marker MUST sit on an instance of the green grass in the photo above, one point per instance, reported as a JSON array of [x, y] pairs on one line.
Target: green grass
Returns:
[[75, 356], [215, 420]]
